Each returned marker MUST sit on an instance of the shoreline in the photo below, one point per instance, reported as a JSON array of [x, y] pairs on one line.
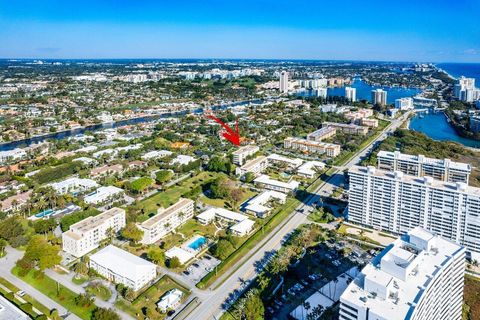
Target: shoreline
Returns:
[[149, 117]]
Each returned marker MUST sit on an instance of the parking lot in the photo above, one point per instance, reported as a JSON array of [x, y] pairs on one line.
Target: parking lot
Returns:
[[200, 268]]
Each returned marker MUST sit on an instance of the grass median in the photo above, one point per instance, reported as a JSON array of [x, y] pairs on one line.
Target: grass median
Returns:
[[248, 245], [56, 292]]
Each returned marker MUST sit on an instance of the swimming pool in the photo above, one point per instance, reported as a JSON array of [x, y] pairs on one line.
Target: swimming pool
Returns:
[[197, 243], [44, 213]]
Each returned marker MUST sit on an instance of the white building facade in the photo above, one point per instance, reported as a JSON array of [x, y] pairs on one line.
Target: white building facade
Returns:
[[120, 266], [419, 277], [421, 166], [166, 220], [396, 202], [86, 235]]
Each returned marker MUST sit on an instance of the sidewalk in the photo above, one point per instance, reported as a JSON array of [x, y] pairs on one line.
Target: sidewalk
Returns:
[[6, 265]]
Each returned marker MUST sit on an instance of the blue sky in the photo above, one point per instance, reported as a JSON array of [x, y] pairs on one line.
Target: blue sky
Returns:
[[421, 30]]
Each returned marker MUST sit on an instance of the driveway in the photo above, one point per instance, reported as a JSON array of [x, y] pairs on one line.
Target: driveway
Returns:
[[6, 265]]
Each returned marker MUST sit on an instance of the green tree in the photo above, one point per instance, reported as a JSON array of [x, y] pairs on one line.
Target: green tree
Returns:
[[81, 268], [249, 177], [174, 263], [222, 249], [254, 308], [163, 176], [156, 255], [40, 252], [140, 185], [220, 188], [131, 232], [3, 245], [44, 226], [104, 314]]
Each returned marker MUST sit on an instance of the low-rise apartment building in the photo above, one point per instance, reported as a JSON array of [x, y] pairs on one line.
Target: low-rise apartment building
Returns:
[[74, 185], [105, 196], [86, 235], [322, 134], [265, 182], [349, 128], [240, 224], [330, 149], [255, 166], [166, 220], [122, 267], [240, 155]]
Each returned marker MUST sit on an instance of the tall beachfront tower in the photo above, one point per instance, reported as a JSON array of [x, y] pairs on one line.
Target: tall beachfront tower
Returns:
[[379, 97], [418, 277], [351, 94], [283, 85]]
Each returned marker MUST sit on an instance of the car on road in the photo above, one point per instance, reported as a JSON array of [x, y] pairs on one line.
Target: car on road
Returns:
[[21, 293]]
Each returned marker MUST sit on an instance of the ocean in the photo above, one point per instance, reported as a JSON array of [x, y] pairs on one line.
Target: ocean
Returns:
[[469, 70]]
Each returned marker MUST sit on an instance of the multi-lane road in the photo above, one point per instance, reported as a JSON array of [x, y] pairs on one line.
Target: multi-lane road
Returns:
[[211, 302]]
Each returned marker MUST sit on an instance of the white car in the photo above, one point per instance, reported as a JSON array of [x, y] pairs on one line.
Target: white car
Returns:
[[21, 293]]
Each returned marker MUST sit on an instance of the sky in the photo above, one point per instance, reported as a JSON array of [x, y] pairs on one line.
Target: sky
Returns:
[[420, 30]]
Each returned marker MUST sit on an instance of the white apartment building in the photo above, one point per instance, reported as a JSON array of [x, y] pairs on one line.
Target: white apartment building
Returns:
[[396, 202], [265, 182], [120, 266], [240, 224], [418, 277], [260, 205], [321, 134], [104, 195], [156, 154], [307, 169], [465, 90], [379, 96], [283, 82], [74, 185], [404, 103], [321, 92], [351, 94], [349, 128], [166, 220], [330, 149], [255, 166], [12, 155], [241, 154], [420, 166], [85, 235], [289, 162]]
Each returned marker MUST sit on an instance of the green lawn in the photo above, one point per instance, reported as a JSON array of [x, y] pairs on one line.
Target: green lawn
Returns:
[[149, 298], [226, 265], [99, 291], [26, 297], [171, 195], [225, 204], [65, 296]]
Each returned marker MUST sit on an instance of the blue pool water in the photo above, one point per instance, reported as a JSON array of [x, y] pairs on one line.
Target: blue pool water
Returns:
[[44, 213], [198, 243]]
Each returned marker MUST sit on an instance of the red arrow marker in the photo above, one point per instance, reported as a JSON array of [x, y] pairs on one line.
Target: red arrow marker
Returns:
[[233, 137]]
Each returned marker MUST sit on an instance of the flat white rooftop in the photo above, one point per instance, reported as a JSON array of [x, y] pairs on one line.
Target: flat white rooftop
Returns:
[[269, 181], [433, 183], [403, 268], [122, 262], [422, 159]]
